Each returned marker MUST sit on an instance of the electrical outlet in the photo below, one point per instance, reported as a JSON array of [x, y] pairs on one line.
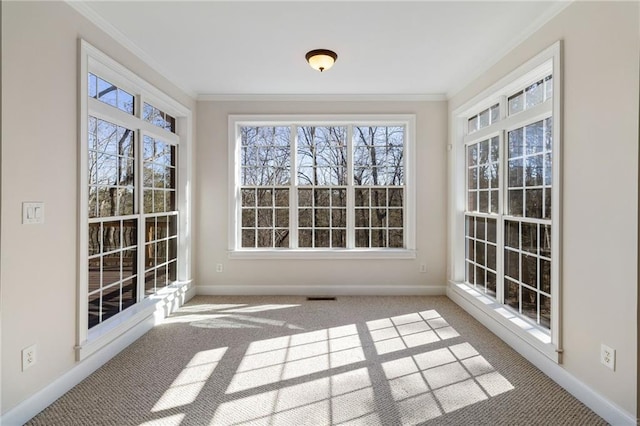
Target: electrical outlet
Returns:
[[28, 357], [219, 267], [608, 356], [423, 268]]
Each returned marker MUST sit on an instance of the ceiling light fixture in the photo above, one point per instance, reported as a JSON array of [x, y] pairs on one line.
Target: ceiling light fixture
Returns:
[[321, 59]]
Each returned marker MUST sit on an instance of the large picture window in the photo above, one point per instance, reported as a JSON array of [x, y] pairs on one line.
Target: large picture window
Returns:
[[316, 185]]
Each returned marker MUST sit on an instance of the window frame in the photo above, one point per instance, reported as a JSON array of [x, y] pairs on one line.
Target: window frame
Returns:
[[92, 60], [235, 121], [547, 62]]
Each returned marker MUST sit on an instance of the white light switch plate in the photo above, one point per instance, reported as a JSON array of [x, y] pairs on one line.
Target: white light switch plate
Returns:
[[32, 212]]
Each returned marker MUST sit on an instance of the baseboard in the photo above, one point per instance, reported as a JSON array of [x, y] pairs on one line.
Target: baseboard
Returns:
[[319, 290], [606, 409], [30, 407]]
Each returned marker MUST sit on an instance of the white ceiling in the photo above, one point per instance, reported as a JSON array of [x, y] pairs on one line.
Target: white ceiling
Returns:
[[257, 48]]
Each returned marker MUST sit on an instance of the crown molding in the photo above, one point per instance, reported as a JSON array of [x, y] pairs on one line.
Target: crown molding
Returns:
[[322, 97]]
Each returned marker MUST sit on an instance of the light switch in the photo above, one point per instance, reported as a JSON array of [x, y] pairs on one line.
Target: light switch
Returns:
[[32, 213]]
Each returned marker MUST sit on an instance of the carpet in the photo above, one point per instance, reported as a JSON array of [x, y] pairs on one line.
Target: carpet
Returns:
[[293, 361]]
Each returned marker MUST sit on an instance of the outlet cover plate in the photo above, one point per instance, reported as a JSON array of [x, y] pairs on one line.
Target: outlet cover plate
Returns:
[[28, 357], [608, 356]]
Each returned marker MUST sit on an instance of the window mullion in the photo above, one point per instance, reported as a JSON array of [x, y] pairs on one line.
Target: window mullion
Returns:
[[502, 182], [351, 220], [138, 203], [293, 192]]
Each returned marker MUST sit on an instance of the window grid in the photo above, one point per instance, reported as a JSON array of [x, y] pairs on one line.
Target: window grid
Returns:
[[322, 217], [160, 257], [265, 173], [527, 269], [527, 221], [160, 214], [379, 217], [112, 285], [521, 279], [481, 253], [127, 197], [159, 176], [329, 172], [265, 217], [530, 170], [111, 169], [483, 171]]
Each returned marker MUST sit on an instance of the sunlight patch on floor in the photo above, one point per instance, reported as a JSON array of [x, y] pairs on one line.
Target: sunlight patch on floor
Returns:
[[187, 386], [338, 399], [282, 358], [409, 331], [429, 384], [422, 386]]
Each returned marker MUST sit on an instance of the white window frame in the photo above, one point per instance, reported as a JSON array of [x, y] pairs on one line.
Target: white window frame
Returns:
[[406, 120], [89, 341], [549, 61]]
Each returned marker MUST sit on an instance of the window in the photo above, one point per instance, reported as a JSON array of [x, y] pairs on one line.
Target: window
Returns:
[[524, 283], [507, 249], [108, 93], [121, 205], [484, 118], [379, 186], [130, 214], [320, 184], [113, 242], [160, 214], [158, 118], [266, 173]]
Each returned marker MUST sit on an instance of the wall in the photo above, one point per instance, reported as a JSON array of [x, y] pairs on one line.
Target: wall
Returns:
[[212, 208], [600, 187], [39, 163]]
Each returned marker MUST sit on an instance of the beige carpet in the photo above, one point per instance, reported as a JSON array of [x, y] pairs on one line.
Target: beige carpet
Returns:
[[289, 361]]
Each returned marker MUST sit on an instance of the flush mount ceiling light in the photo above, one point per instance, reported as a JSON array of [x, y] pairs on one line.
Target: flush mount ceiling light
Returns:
[[321, 59]]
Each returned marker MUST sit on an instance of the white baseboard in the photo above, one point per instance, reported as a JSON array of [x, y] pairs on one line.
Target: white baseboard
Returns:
[[606, 409], [30, 407], [319, 290]]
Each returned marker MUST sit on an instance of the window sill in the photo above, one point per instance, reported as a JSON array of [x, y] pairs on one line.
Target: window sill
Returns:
[[319, 254], [500, 320], [160, 303]]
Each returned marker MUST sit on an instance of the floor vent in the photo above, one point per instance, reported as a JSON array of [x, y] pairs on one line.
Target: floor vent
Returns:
[[321, 298]]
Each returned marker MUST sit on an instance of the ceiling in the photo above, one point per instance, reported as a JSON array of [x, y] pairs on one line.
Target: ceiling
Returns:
[[241, 48]]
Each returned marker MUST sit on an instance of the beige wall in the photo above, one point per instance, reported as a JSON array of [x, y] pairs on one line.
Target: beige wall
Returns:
[[39, 163], [600, 186], [212, 206]]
